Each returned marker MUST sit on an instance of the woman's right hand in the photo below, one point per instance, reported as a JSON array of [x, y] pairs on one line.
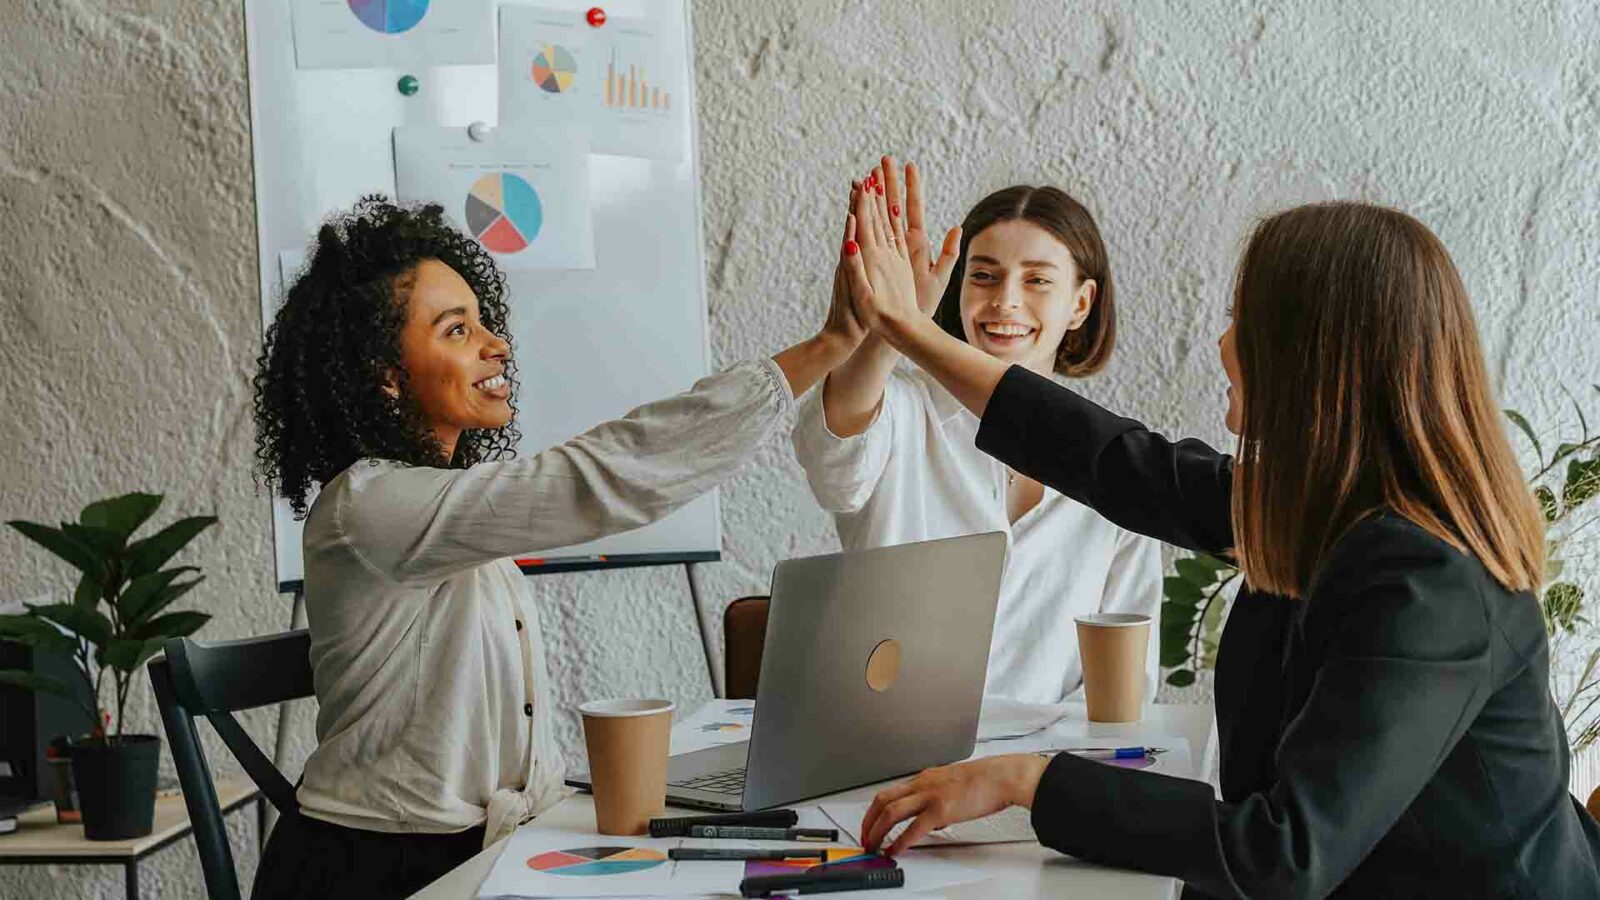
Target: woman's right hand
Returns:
[[882, 281], [932, 273]]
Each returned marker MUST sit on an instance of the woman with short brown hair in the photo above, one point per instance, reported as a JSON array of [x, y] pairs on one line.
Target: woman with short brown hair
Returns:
[[1383, 708]]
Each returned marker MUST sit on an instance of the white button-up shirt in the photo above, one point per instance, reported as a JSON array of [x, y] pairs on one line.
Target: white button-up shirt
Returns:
[[916, 475], [425, 643]]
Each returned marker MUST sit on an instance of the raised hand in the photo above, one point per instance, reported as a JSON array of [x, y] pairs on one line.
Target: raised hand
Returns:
[[882, 283], [842, 324], [933, 273]]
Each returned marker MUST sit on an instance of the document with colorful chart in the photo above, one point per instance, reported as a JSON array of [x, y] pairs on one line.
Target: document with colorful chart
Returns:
[[543, 862], [522, 193], [367, 34], [623, 80]]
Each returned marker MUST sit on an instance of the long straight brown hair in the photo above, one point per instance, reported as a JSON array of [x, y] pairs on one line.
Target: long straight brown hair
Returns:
[[1365, 388]]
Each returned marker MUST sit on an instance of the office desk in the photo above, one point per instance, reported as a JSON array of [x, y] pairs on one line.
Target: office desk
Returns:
[[1013, 870], [40, 840]]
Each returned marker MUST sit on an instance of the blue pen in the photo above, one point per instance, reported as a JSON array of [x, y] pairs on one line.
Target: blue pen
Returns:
[[1118, 753]]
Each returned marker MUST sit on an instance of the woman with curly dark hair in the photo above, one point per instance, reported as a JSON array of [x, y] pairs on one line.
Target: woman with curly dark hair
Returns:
[[386, 387]]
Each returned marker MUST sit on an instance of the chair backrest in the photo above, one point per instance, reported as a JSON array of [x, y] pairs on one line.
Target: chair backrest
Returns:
[[216, 680], [744, 632]]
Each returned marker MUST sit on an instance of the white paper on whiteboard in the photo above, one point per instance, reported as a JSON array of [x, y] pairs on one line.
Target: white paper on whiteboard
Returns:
[[367, 34], [523, 193], [620, 81]]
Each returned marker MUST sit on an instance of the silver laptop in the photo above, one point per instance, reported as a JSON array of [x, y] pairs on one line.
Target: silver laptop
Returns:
[[873, 667]]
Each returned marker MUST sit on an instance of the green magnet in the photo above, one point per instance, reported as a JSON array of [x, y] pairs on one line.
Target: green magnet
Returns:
[[408, 85]]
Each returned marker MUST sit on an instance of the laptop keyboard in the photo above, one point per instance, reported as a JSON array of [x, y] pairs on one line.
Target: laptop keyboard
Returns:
[[729, 782]]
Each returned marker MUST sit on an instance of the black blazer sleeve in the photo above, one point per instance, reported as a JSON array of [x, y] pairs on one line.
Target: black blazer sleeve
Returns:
[[1174, 492], [1403, 640]]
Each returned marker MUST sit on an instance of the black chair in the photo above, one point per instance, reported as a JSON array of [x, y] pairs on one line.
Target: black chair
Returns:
[[216, 680]]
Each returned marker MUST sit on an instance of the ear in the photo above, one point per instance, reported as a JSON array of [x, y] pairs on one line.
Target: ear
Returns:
[[1083, 303]]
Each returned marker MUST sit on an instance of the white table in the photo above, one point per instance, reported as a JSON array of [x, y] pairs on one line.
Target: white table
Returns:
[[1013, 870]]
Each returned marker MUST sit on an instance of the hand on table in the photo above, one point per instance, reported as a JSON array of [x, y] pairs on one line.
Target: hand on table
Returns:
[[945, 795]]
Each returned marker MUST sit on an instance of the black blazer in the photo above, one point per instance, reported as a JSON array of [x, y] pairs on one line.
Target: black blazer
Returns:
[[1390, 734]]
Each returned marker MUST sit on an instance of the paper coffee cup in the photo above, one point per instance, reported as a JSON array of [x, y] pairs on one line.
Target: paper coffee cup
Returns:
[[1112, 649], [627, 742]]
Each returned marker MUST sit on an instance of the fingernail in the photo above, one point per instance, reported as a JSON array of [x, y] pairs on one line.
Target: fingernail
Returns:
[[851, 248], [879, 189], [894, 210]]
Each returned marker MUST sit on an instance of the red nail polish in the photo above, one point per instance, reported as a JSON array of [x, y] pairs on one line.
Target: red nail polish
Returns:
[[879, 189], [851, 248], [894, 210]]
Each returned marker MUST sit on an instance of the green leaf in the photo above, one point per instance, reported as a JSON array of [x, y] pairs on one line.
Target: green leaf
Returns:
[[57, 542], [1562, 603], [1553, 568], [1563, 451], [87, 623], [1548, 505], [171, 625], [153, 552], [88, 593], [1521, 421], [149, 594], [1217, 565], [37, 633], [129, 655], [35, 682], [102, 542], [1196, 572], [1583, 483], [122, 515], [1181, 678], [1182, 591]]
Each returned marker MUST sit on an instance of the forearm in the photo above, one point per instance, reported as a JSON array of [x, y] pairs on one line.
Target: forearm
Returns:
[[853, 392], [809, 361], [969, 374]]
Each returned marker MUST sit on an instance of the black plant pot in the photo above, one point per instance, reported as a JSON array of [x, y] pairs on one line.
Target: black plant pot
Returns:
[[116, 785]]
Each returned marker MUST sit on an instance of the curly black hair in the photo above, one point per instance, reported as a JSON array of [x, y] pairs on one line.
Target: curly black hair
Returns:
[[320, 403]]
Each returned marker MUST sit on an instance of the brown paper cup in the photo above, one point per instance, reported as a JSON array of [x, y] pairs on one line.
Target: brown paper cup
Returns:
[[627, 741], [1112, 647]]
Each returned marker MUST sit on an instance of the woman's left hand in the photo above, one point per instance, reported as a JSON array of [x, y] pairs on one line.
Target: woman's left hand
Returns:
[[946, 795]]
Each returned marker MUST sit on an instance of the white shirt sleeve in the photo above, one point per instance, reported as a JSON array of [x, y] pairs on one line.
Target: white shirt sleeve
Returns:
[[1133, 585], [414, 523], [844, 471]]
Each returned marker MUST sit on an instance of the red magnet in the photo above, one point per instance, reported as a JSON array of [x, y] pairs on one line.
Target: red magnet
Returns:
[[596, 16]]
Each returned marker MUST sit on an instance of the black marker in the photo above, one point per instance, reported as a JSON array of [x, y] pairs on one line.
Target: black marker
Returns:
[[823, 882], [679, 827], [723, 854], [747, 833]]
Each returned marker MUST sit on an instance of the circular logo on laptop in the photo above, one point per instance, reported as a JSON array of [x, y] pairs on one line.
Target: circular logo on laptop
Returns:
[[883, 666]]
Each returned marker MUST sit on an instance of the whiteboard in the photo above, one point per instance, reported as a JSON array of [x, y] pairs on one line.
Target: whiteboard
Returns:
[[590, 344]]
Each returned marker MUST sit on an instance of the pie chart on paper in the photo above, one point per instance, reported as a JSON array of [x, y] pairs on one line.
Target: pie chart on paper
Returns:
[[592, 861], [554, 69], [504, 212], [389, 16]]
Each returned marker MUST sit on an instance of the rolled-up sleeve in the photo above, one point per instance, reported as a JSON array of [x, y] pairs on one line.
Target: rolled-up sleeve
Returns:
[[844, 471]]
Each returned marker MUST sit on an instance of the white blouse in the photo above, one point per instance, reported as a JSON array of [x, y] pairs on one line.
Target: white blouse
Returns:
[[915, 474], [435, 711]]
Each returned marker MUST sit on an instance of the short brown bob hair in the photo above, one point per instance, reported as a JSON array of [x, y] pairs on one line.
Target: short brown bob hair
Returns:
[[1365, 389], [1086, 349]]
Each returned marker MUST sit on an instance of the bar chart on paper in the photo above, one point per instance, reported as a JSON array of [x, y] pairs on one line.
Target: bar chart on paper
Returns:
[[628, 87]]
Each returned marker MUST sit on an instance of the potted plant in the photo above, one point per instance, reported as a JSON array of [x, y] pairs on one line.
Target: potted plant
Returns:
[[115, 772], [1564, 482]]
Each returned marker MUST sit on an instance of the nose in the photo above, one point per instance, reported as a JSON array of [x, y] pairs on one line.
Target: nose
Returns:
[[1009, 296], [494, 347]]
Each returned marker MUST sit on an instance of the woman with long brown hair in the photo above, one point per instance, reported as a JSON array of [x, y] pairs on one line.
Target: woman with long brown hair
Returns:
[[1382, 697]]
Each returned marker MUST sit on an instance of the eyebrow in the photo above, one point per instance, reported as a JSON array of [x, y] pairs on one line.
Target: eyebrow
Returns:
[[453, 311], [1026, 264]]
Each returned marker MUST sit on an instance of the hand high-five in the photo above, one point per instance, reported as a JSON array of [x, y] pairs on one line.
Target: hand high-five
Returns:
[[882, 282], [932, 273]]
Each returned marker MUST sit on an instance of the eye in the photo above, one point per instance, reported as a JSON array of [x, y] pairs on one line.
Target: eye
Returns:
[[459, 328], [982, 276], [1039, 279]]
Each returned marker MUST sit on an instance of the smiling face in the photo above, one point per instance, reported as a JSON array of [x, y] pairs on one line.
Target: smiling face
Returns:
[[1020, 294], [455, 367]]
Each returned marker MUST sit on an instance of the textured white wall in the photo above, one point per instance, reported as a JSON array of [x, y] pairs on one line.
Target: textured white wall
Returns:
[[128, 315]]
